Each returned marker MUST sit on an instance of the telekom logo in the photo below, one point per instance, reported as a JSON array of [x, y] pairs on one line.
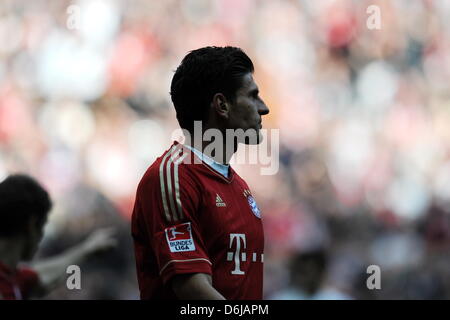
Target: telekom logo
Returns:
[[238, 255]]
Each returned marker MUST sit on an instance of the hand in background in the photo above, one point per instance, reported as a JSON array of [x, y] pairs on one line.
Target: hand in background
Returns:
[[52, 271], [100, 240]]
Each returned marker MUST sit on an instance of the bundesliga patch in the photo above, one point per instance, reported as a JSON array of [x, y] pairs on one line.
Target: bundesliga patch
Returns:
[[254, 206], [179, 238]]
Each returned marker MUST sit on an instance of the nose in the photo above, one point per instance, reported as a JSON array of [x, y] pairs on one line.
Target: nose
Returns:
[[263, 109]]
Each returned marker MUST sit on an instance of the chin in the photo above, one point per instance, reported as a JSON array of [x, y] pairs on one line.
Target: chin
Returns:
[[255, 139]]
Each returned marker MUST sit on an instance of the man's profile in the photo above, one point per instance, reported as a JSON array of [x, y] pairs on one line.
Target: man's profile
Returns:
[[196, 227]]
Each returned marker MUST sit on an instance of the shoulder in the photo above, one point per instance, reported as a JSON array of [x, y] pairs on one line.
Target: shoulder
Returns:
[[27, 275], [28, 281], [174, 166], [237, 178]]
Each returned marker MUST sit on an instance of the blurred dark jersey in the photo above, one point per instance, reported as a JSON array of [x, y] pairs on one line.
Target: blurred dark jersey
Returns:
[[188, 218], [17, 284]]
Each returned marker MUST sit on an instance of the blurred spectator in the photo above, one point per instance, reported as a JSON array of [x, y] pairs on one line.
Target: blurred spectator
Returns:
[[363, 117], [24, 208]]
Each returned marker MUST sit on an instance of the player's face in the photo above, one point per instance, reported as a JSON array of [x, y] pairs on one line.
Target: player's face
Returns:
[[249, 108]]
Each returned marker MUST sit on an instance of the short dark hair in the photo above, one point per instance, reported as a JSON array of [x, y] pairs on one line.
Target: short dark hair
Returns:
[[203, 73], [21, 197]]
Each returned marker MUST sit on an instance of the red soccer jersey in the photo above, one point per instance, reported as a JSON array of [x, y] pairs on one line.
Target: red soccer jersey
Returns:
[[188, 218], [17, 284]]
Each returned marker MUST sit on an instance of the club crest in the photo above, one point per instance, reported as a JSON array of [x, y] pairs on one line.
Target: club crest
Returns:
[[254, 206]]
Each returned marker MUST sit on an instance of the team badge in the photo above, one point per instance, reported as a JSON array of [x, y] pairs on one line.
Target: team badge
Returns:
[[254, 206], [179, 238]]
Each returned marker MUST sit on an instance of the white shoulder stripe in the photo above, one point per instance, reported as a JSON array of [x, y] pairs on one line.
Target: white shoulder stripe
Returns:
[[177, 187], [173, 209], [169, 185], [162, 184]]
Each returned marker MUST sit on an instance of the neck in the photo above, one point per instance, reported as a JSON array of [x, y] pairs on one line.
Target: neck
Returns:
[[10, 252], [218, 153]]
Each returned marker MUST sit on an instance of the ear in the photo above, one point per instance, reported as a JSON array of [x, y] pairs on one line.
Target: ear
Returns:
[[220, 105]]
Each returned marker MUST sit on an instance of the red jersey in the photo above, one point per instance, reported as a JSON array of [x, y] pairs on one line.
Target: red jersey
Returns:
[[17, 284], [188, 218]]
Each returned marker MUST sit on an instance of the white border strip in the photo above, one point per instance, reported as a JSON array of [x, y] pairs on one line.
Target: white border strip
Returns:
[[171, 261]]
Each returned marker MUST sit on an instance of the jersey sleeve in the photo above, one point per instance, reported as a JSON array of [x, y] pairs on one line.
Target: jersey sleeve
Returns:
[[168, 202], [28, 281]]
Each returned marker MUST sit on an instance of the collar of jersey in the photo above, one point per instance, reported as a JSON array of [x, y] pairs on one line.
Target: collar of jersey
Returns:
[[223, 169]]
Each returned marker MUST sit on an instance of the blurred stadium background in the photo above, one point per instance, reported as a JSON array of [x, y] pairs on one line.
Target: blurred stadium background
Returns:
[[364, 116]]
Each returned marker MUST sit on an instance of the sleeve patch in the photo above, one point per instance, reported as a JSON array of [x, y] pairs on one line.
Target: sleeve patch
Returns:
[[179, 238]]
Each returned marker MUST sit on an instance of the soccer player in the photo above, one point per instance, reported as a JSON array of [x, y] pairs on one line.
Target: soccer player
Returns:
[[24, 207], [196, 227]]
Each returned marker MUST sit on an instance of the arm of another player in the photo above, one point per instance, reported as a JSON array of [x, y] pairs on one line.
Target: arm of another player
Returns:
[[53, 270], [195, 286]]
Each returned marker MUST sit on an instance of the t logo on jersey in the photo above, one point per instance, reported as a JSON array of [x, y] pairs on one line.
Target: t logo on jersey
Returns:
[[238, 255], [179, 238]]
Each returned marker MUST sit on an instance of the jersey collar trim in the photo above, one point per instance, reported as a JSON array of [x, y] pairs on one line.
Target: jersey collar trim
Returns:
[[223, 169], [231, 172]]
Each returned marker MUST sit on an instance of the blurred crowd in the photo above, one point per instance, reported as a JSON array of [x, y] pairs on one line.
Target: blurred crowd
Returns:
[[364, 116]]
